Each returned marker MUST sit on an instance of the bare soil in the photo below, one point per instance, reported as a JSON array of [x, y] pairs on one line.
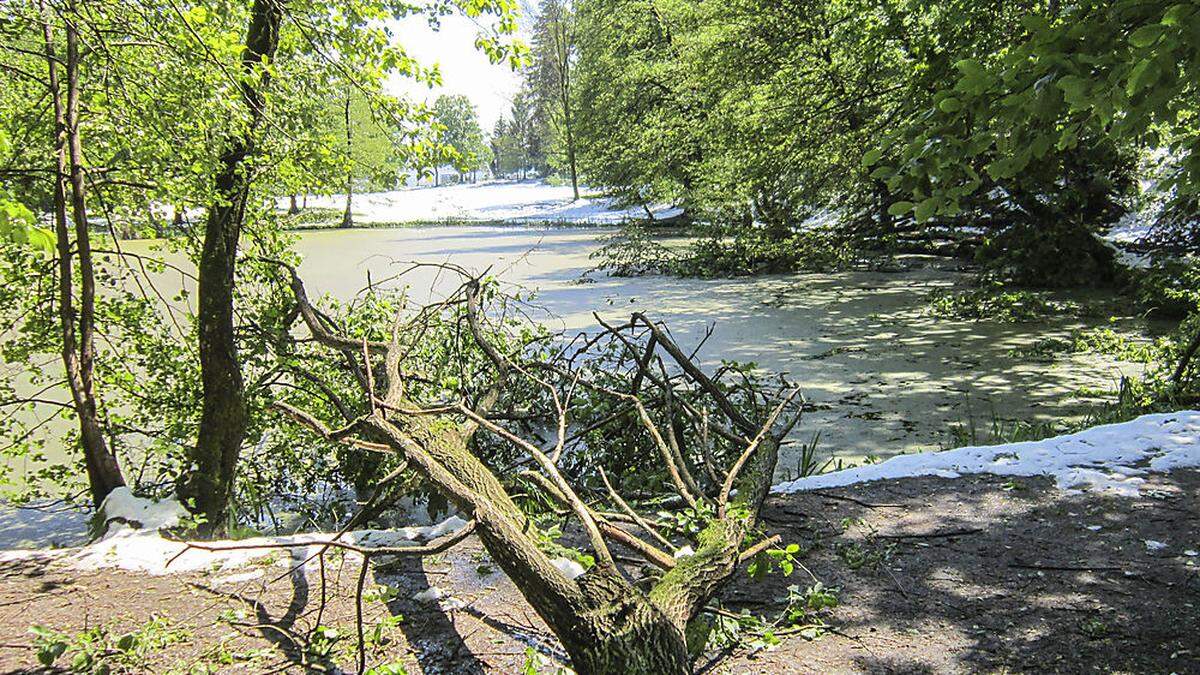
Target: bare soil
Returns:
[[934, 576]]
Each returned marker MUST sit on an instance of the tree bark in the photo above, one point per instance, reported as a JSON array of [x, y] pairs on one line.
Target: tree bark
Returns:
[[207, 487], [293, 207], [347, 216], [563, 39], [78, 351]]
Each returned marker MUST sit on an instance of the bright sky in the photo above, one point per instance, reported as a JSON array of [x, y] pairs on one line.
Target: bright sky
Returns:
[[465, 70]]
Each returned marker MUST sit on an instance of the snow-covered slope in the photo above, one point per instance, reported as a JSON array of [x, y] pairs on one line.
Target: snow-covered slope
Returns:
[[1110, 458], [524, 201]]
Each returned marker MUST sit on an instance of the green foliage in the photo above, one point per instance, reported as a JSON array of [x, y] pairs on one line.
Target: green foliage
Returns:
[[1091, 79], [98, 651], [537, 664], [323, 640], [636, 250], [387, 669], [458, 127], [991, 302], [1170, 286], [17, 224], [784, 559], [547, 540], [806, 606], [161, 87], [804, 613]]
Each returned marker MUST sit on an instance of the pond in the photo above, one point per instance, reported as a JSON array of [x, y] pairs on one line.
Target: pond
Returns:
[[881, 374]]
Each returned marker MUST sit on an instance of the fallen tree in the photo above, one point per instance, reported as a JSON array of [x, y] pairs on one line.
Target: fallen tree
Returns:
[[604, 620]]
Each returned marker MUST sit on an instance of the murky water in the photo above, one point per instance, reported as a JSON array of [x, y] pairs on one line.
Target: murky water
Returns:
[[882, 376]]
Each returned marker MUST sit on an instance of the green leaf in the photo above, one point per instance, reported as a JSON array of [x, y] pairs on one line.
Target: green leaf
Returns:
[[872, 157], [900, 208], [1143, 74], [126, 642], [1075, 90], [950, 105], [969, 67], [925, 210], [1146, 35], [1035, 23], [1177, 15]]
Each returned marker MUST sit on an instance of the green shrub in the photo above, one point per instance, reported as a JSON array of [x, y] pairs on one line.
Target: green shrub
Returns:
[[992, 302], [635, 251]]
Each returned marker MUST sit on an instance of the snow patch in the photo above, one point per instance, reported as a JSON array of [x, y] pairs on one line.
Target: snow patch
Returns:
[[1109, 458], [134, 541], [568, 567], [121, 506], [431, 594], [523, 201]]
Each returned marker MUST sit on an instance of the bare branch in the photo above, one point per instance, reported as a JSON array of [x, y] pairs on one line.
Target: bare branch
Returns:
[[641, 522], [723, 496]]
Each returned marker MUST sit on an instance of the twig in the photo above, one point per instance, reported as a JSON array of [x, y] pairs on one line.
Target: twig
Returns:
[[852, 500], [759, 548], [931, 535]]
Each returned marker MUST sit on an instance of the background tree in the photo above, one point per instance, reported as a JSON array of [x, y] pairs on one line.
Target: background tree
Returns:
[[460, 132], [550, 81], [176, 121], [516, 141], [637, 119]]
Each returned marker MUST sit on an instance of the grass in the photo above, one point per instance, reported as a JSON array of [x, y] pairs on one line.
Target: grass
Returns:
[[315, 218], [1134, 397]]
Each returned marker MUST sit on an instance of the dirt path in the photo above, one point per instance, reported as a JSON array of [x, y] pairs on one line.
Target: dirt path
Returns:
[[933, 575]]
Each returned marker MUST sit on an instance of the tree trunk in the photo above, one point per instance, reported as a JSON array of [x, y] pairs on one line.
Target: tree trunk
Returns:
[[78, 352], [293, 207], [206, 489], [347, 215], [622, 631], [571, 160]]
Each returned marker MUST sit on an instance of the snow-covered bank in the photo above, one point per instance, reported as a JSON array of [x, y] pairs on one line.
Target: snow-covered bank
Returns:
[[1109, 458], [134, 541], [521, 202]]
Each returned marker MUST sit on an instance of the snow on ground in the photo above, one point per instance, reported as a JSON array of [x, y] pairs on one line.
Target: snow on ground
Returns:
[[1109, 458], [134, 541], [522, 202]]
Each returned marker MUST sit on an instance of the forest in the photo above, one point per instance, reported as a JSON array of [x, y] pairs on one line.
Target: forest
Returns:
[[741, 336]]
